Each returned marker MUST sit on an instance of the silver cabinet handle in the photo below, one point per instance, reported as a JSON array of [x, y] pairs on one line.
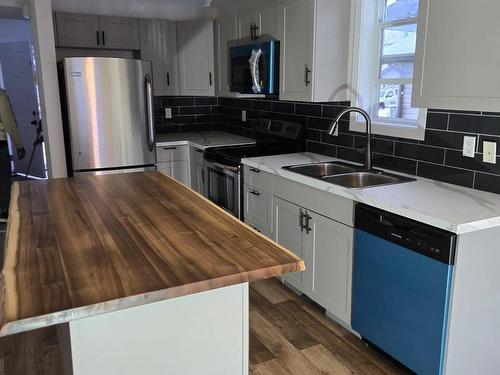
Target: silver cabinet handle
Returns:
[[170, 148], [149, 110], [103, 38], [97, 37], [255, 170], [210, 78], [254, 192], [168, 79], [306, 77], [198, 150], [301, 220]]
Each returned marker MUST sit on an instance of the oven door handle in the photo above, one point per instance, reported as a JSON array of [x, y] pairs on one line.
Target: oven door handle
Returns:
[[221, 167]]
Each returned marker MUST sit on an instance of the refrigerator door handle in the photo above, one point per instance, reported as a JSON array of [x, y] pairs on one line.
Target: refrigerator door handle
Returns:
[[149, 113]]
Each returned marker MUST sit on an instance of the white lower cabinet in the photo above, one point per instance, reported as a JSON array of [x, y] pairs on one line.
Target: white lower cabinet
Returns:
[[258, 209], [326, 247], [288, 233], [198, 178], [329, 249], [176, 169]]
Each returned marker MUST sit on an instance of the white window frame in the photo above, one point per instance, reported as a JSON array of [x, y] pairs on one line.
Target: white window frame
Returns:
[[364, 58]]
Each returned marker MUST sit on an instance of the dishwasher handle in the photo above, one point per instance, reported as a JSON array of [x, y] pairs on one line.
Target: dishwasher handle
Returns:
[[422, 238]]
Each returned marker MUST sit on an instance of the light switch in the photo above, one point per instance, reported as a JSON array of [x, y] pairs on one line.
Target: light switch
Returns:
[[244, 116], [490, 152], [168, 112], [469, 147]]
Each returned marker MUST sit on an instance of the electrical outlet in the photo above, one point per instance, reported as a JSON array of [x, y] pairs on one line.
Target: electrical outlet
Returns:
[[490, 152], [244, 116], [469, 146], [168, 112]]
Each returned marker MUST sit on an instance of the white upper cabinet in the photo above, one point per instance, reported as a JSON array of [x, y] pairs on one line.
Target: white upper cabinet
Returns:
[[159, 44], [457, 56], [246, 20], [90, 31], [195, 43], [314, 49], [119, 32], [77, 30], [263, 19], [226, 30]]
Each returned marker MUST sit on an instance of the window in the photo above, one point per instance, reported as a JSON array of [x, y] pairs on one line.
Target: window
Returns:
[[383, 42]]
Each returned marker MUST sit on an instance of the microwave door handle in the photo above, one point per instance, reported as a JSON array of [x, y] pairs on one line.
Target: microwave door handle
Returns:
[[254, 69]]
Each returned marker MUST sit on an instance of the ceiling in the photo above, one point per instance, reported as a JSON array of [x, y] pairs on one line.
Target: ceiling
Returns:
[[171, 9]]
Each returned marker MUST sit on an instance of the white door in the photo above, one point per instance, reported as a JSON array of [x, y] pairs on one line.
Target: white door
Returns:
[[246, 20], [258, 209], [268, 21], [457, 57], [289, 234], [159, 45], [329, 244], [226, 31], [296, 22], [17, 72], [195, 40]]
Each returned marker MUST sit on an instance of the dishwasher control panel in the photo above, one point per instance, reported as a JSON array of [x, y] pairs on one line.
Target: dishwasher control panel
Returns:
[[422, 238]]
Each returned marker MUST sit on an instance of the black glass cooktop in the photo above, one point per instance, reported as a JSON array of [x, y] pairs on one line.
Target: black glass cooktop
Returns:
[[232, 155]]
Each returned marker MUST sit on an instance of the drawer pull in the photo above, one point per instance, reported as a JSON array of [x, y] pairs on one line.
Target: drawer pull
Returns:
[[254, 192], [255, 170], [170, 148], [198, 150]]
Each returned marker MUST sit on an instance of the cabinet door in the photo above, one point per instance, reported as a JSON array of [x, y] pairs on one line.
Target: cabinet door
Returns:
[[258, 208], [289, 234], [198, 179], [226, 31], [246, 19], [77, 30], [329, 244], [159, 45], [456, 64], [119, 32], [178, 170], [296, 23], [195, 40], [268, 21]]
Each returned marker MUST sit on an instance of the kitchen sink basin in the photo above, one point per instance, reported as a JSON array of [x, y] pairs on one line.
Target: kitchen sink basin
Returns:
[[363, 179], [320, 170], [346, 174]]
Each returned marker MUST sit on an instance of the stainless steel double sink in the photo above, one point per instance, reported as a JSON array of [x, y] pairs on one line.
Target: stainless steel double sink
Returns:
[[346, 174]]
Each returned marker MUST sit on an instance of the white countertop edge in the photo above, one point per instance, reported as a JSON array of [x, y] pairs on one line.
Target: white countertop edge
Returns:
[[200, 146], [369, 195]]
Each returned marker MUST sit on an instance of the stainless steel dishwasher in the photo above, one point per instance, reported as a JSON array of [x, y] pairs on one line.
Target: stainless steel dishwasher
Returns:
[[401, 287]]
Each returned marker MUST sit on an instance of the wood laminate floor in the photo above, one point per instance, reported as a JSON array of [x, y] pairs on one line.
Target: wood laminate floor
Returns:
[[288, 336]]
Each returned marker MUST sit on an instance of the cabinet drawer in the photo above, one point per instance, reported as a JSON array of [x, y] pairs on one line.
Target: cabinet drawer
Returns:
[[257, 178], [171, 153], [258, 208], [197, 155]]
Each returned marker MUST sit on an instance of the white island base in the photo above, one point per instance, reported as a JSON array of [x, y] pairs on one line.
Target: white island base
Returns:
[[203, 333]]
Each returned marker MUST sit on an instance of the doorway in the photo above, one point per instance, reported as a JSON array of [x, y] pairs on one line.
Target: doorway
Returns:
[[17, 79]]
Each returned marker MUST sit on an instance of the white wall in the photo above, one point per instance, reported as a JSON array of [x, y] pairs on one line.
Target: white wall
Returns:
[[14, 30], [43, 40], [167, 9]]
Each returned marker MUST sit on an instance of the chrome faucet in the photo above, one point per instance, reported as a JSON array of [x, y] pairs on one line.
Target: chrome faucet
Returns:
[[368, 149]]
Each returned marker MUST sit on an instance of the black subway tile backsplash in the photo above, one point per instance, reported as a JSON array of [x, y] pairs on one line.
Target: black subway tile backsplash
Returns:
[[438, 156], [480, 124], [446, 174]]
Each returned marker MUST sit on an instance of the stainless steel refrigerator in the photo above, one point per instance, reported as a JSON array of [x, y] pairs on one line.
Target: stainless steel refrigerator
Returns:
[[108, 112]]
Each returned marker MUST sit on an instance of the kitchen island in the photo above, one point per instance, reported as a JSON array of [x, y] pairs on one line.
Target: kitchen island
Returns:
[[139, 273]]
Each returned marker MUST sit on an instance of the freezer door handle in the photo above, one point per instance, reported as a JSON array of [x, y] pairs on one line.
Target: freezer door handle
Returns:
[[149, 113]]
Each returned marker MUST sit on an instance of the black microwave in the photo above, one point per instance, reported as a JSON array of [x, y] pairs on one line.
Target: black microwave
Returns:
[[254, 68]]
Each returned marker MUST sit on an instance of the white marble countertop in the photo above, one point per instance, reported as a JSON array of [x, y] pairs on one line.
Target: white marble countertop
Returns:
[[449, 207], [203, 140]]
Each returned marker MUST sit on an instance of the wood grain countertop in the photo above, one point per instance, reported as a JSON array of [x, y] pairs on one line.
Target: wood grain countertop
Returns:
[[82, 246]]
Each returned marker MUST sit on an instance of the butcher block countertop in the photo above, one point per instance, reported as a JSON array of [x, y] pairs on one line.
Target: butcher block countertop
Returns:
[[82, 246]]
